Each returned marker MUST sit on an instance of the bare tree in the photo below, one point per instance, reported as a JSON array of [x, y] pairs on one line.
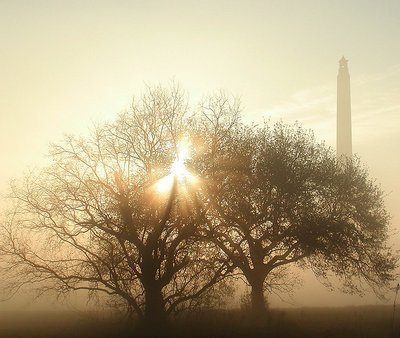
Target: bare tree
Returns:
[[109, 215]]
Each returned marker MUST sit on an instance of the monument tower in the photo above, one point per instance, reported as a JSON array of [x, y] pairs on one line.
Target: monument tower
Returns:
[[343, 127]]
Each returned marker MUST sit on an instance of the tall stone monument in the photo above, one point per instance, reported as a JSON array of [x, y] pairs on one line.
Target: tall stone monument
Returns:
[[343, 136]]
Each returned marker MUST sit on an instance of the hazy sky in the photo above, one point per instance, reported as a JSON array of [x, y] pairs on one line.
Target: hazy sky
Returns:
[[65, 65]]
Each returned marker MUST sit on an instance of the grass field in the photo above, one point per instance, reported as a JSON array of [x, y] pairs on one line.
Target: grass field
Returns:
[[366, 321]]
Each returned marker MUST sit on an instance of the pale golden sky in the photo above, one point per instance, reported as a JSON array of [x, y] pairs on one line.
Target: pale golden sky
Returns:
[[65, 65]]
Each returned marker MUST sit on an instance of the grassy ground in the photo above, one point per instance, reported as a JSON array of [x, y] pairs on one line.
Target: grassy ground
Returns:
[[371, 321]]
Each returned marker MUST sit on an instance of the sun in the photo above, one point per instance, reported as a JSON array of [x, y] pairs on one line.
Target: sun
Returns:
[[178, 171], [178, 167]]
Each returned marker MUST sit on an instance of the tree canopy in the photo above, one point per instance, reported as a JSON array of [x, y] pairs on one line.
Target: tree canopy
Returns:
[[282, 198], [163, 206]]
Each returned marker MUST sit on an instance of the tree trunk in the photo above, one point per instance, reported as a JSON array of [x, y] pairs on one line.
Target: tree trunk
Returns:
[[258, 306], [154, 314], [153, 323]]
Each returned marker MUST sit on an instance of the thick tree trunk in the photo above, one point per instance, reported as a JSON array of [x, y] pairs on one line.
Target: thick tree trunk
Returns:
[[258, 305], [154, 314], [155, 319]]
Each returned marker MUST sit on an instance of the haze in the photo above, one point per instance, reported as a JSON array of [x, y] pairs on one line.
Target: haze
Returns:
[[67, 65]]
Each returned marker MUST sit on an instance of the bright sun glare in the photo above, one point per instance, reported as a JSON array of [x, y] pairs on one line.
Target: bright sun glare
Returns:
[[178, 168]]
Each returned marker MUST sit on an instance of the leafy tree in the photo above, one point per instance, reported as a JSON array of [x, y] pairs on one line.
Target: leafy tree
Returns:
[[281, 198], [110, 215]]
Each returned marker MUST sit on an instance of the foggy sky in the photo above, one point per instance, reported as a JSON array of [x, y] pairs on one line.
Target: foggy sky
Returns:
[[65, 65]]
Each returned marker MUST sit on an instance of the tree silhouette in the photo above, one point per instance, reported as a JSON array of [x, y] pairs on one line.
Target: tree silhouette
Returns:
[[160, 207], [108, 215], [283, 198]]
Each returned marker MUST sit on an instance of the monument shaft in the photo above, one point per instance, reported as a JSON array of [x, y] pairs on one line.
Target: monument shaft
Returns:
[[343, 137]]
